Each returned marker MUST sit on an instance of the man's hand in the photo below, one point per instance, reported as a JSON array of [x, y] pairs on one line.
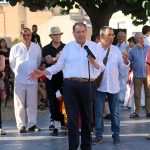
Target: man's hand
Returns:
[[58, 55], [38, 73], [49, 59], [93, 62], [125, 58], [148, 83]]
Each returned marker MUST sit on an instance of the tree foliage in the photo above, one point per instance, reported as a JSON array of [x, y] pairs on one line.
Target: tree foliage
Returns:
[[99, 11]]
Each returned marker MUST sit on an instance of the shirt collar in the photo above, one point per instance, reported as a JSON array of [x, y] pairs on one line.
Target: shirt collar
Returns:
[[120, 44], [140, 47], [24, 46], [145, 36], [103, 47], [61, 44], [79, 46]]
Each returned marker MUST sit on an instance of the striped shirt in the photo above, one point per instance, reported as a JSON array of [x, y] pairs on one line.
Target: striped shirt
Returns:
[[137, 57]]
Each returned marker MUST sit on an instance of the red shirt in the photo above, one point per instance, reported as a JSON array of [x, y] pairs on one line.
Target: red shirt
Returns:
[[42, 78], [148, 57]]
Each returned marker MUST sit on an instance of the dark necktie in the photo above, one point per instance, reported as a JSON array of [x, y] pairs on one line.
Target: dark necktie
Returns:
[[106, 57]]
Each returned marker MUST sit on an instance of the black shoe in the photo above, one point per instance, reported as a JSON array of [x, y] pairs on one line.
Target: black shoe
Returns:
[[134, 115], [108, 116], [97, 141], [55, 132], [148, 115], [34, 128], [23, 130], [148, 137], [2, 132], [116, 141]]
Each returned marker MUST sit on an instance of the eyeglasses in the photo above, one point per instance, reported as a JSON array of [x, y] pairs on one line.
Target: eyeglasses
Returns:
[[56, 34], [109, 35]]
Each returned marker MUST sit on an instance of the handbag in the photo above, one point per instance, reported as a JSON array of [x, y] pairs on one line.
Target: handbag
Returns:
[[98, 80]]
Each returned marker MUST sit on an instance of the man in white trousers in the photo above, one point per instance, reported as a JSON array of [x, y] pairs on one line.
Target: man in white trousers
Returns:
[[122, 46], [24, 58]]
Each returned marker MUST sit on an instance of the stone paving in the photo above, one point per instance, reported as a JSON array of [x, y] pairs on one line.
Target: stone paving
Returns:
[[133, 133]]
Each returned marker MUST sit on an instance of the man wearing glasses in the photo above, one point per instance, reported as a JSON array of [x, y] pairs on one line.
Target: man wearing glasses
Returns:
[[109, 86], [24, 58], [51, 53]]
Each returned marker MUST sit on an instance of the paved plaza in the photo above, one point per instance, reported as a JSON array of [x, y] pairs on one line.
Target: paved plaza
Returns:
[[133, 133]]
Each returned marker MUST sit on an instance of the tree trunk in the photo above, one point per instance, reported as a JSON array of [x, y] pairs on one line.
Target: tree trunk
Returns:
[[99, 16], [97, 23]]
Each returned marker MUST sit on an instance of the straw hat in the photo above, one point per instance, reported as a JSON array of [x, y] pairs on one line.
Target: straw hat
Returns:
[[55, 30]]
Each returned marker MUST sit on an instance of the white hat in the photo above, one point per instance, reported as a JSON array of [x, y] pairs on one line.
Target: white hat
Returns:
[[55, 30]]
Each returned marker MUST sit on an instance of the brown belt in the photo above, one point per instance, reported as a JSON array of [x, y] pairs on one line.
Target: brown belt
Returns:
[[79, 79]]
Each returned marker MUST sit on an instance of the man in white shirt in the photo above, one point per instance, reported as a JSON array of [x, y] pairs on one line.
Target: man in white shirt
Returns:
[[74, 62], [24, 58], [109, 86], [146, 33], [122, 46]]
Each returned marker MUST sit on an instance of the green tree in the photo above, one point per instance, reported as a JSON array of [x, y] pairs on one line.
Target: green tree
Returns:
[[99, 11]]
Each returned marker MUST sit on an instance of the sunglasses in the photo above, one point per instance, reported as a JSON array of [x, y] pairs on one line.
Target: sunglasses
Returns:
[[24, 35]]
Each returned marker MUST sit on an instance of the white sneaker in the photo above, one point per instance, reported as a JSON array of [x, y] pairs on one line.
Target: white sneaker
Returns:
[[52, 125], [2, 132]]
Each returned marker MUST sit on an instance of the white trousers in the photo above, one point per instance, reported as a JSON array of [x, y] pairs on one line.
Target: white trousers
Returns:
[[123, 87], [25, 96]]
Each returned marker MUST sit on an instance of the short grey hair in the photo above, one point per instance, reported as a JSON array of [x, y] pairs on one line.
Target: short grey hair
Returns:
[[138, 35], [121, 33], [103, 29]]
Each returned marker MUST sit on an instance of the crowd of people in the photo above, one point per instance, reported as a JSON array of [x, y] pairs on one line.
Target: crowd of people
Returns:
[[71, 69]]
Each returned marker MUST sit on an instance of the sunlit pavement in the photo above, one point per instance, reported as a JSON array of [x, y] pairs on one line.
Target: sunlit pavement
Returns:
[[133, 133]]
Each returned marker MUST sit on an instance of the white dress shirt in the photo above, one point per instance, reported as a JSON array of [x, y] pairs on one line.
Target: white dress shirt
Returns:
[[122, 46], [146, 40], [74, 62], [110, 81], [23, 61]]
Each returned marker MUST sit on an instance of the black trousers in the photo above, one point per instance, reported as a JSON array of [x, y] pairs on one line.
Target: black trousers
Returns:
[[52, 87], [78, 103]]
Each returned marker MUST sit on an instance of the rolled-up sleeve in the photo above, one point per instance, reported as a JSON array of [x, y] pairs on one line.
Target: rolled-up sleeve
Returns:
[[39, 56], [99, 60], [12, 59], [59, 65], [122, 66]]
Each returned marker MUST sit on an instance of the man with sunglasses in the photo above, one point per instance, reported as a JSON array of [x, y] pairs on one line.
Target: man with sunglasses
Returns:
[[24, 58], [51, 53]]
